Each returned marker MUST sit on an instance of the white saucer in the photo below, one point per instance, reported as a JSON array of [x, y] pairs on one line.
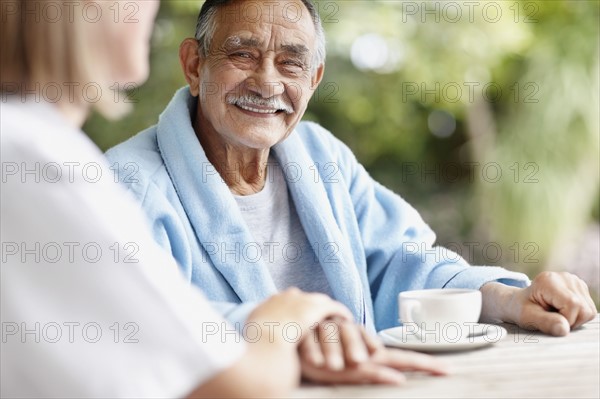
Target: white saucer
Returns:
[[406, 338]]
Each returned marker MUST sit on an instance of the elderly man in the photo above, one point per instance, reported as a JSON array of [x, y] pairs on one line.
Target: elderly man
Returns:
[[251, 201]]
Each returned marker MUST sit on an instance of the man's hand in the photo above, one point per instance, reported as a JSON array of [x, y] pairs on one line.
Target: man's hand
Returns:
[[335, 344], [341, 352], [385, 366], [554, 303]]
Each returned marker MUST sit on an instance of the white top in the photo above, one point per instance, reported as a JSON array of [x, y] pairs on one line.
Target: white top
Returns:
[[90, 306], [280, 241]]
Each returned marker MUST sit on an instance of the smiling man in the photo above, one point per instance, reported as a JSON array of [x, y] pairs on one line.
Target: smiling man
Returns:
[[253, 81], [250, 201]]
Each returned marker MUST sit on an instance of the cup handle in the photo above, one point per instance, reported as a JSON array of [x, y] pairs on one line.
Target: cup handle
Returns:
[[409, 306]]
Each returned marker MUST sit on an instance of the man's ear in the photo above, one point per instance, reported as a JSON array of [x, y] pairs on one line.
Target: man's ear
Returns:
[[317, 76], [190, 63]]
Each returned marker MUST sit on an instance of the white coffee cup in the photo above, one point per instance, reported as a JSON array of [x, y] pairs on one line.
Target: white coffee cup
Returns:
[[440, 315]]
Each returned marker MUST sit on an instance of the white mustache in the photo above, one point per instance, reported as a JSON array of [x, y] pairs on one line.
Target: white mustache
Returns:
[[250, 100]]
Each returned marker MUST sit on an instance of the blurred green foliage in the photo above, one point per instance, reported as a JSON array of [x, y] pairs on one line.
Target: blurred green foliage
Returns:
[[509, 87]]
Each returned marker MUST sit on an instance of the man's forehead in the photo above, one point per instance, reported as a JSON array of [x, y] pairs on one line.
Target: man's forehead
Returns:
[[290, 14]]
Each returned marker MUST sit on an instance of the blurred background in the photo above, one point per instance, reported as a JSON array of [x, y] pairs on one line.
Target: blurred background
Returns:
[[483, 115]]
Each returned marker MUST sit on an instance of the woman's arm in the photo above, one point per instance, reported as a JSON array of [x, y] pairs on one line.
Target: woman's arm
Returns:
[[271, 366]]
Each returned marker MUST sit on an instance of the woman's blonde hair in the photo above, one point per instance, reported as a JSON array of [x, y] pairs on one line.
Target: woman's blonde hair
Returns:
[[46, 50]]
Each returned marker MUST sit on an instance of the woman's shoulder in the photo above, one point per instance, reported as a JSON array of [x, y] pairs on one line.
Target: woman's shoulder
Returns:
[[38, 137]]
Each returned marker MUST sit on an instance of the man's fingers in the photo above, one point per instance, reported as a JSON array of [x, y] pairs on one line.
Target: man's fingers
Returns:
[[589, 310], [566, 293], [331, 346], [373, 343], [569, 307], [547, 322], [383, 367], [378, 374], [310, 350], [373, 373], [336, 344], [354, 347], [411, 361], [364, 373], [553, 292]]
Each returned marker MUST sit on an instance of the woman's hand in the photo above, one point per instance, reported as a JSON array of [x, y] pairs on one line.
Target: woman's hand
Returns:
[[301, 310]]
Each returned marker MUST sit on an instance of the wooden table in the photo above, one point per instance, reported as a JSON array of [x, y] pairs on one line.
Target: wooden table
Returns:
[[523, 365]]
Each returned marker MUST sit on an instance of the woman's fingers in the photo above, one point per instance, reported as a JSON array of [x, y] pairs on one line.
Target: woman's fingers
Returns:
[[303, 309]]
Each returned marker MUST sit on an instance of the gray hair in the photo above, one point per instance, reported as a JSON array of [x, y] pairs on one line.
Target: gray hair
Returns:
[[207, 25]]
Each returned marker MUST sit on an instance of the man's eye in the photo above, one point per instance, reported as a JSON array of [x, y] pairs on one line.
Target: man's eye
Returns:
[[293, 64], [242, 54]]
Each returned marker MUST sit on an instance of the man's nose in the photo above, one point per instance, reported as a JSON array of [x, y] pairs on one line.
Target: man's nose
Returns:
[[265, 80]]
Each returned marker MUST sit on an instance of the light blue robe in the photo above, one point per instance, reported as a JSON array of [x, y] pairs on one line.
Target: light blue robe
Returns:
[[369, 241]]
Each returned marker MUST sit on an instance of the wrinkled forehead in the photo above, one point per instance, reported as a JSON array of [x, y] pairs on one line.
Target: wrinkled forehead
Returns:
[[287, 22]]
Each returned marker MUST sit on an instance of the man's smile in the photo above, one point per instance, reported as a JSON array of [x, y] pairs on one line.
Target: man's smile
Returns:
[[258, 109]]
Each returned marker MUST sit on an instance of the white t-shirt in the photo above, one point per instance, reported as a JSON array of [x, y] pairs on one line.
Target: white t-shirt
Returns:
[[276, 228], [90, 306]]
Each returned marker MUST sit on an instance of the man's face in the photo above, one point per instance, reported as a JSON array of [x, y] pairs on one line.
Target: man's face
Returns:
[[255, 83]]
